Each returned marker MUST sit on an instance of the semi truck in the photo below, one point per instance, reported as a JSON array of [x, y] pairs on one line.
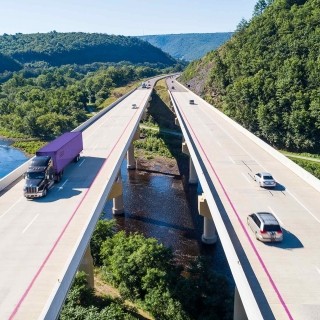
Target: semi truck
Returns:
[[48, 165]]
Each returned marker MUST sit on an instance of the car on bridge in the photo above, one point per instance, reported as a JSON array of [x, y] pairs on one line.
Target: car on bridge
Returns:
[[265, 179], [265, 226]]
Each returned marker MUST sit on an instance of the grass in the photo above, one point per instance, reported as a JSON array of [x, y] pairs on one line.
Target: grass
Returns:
[[303, 154], [11, 134], [157, 140], [29, 147], [162, 91], [308, 161], [103, 289]]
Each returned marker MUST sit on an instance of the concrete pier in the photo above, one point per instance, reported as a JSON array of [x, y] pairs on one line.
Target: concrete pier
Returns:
[[116, 195], [193, 177], [131, 161], [86, 266], [209, 235]]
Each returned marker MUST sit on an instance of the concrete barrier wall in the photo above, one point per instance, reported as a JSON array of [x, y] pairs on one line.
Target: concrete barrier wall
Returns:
[[14, 175], [299, 171], [18, 172]]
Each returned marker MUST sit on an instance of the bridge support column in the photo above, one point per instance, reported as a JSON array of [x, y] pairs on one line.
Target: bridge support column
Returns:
[[145, 111], [209, 235], [193, 178], [116, 195], [238, 310], [131, 161], [86, 266]]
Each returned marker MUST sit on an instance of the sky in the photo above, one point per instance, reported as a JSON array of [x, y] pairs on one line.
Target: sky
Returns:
[[123, 17]]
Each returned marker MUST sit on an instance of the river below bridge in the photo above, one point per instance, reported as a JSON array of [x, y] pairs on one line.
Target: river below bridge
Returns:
[[163, 206]]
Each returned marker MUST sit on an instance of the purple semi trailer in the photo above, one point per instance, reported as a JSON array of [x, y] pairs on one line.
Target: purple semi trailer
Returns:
[[50, 161]]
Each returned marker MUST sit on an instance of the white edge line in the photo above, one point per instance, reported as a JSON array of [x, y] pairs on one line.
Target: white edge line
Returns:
[[11, 207], [31, 222], [80, 164], [61, 187]]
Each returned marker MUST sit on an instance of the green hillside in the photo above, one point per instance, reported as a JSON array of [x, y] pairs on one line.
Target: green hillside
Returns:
[[8, 64], [188, 46], [267, 76], [80, 48]]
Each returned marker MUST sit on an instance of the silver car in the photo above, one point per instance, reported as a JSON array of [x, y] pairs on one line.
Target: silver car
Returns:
[[265, 226], [265, 179]]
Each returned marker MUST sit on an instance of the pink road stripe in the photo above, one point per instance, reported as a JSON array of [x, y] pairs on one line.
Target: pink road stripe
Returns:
[[241, 223], [14, 312]]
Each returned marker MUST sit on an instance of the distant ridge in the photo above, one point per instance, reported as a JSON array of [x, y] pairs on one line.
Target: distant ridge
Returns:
[[58, 49], [188, 46]]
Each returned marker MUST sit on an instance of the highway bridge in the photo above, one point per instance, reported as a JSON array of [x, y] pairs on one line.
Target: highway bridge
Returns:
[[284, 278], [45, 241]]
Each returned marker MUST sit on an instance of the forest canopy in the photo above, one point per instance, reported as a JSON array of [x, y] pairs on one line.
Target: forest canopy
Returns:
[[52, 82], [80, 48], [46, 102], [8, 64], [267, 76]]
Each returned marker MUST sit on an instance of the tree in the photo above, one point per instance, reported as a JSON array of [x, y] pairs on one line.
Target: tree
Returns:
[[127, 260], [260, 6], [242, 25], [103, 230]]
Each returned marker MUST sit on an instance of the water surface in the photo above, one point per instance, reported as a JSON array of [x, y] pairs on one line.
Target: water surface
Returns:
[[165, 207], [10, 158]]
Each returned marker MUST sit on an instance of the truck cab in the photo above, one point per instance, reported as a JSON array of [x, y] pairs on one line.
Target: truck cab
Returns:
[[39, 177], [49, 163]]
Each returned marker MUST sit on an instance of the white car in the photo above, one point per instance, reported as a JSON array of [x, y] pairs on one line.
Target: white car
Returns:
[[265, 179], [265, 226]]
